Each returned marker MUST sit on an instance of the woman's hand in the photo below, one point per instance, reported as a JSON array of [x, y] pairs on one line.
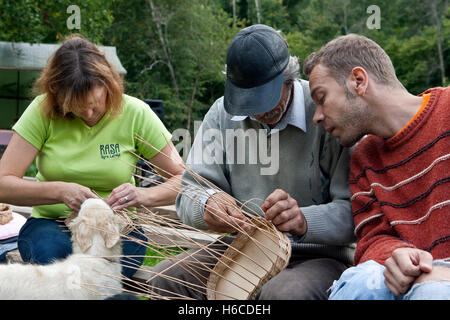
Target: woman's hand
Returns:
[[124, 196], [73, 195]]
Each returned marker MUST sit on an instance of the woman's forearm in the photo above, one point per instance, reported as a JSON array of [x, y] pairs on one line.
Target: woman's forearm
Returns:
[[162, 194], [21, 192]]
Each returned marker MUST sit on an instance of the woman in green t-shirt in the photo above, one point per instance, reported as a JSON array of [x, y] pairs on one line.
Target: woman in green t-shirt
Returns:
[[82, 130]]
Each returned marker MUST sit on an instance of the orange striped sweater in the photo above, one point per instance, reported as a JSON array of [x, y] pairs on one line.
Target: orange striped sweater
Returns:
[[401, 186]]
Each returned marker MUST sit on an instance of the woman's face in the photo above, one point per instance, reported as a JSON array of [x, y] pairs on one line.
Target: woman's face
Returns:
[[96, 106]]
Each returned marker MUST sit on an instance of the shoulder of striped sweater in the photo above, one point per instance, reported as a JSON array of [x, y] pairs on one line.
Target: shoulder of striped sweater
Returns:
[[439, 93], [444, 96], [437, 89]]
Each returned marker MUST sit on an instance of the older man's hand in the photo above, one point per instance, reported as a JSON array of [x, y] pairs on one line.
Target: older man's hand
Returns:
[[280, 208], [222, 215]]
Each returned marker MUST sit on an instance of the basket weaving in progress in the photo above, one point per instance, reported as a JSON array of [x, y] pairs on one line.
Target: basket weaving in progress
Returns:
[[243, 266], [249, 262]]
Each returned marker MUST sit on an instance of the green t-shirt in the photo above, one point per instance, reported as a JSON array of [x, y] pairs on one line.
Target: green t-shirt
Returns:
[[97, 157]]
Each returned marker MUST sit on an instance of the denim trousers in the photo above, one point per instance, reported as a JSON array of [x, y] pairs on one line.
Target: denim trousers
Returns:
[[42, 241], [366, 282]]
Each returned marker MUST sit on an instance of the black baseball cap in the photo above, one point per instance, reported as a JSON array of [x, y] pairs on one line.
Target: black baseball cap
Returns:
[[256, 59]]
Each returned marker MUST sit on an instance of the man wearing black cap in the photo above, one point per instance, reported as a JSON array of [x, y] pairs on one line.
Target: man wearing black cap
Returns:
[[306, 195]]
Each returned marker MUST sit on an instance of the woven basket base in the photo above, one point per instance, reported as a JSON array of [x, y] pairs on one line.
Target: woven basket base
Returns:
[[251, 260]]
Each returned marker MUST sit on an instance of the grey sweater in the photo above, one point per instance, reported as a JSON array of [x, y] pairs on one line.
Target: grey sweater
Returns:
[[240, 157]]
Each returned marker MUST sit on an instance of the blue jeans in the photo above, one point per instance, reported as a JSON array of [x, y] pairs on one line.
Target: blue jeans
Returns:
[[366, 282], [41, 241]]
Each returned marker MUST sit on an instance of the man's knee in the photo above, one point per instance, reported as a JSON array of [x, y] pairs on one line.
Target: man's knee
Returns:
[[363, 282], [162, 271], [307, 280], [436, 274], [283, 289], [429, 290]]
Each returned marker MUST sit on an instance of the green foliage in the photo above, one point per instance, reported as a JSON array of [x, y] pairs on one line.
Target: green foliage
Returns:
[[31, 171], [46, 21], [95, 18], [193, 42], [20, 21], [175, 50]]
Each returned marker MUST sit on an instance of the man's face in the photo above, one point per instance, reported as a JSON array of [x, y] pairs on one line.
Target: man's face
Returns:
[[340, 112], [272, 117]]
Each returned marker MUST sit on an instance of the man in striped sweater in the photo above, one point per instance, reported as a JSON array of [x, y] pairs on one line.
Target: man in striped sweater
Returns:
[[399, 175]]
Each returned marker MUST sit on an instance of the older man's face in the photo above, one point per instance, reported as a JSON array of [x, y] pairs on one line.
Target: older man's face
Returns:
[[272, 117], [340, 112]]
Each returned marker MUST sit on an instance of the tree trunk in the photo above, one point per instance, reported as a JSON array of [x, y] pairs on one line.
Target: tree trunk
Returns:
[[165, 47], [258, 11], [438, 22], [234, 12], [191, 104], [346, 17]]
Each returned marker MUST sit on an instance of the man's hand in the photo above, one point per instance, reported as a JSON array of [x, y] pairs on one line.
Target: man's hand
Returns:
[[280, 208], [403, 268], [222, 215]]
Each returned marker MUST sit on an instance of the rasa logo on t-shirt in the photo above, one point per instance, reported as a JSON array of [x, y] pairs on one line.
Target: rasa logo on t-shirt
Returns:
[[109, 151]]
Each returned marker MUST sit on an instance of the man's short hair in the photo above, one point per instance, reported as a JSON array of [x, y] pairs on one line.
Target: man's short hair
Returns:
[[344, 53]]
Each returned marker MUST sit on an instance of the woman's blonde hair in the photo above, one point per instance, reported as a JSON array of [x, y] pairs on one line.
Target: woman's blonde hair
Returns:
[[72, 72]]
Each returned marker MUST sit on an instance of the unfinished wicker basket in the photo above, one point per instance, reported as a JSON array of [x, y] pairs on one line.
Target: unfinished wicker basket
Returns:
[[5, 213], [251, 260]]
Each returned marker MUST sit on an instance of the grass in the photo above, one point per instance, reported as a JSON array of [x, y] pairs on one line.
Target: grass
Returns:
[[156, 255]]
